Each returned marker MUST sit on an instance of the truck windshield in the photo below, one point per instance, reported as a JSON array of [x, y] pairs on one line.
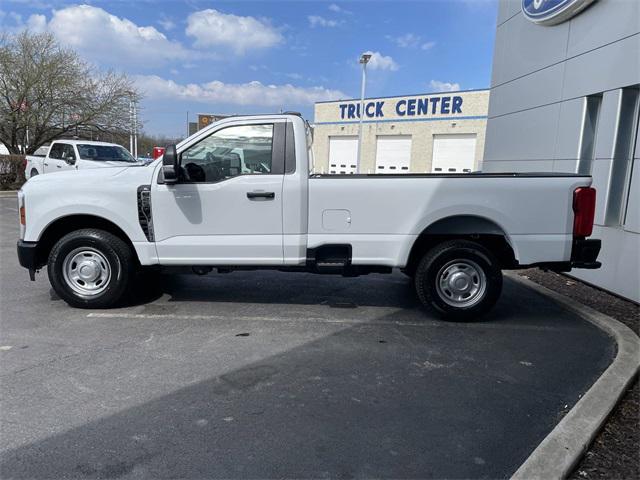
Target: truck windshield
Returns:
[[105, 153]]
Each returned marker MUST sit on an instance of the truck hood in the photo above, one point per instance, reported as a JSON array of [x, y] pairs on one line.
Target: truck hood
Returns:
[[135, 173], [110, 163]]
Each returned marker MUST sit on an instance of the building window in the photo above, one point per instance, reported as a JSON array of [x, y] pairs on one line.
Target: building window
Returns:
[[623, 149], [588, 138]]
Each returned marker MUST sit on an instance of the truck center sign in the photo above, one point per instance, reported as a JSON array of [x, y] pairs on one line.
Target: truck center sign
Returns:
[[405, 107]]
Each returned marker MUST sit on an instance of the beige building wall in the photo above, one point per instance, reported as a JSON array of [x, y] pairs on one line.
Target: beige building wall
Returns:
[[421, 128]]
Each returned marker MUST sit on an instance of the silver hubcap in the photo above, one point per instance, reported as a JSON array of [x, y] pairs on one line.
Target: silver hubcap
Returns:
[[461, 283], [86, 271]]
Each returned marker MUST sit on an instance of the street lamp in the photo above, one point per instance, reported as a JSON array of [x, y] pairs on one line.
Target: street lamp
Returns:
[[364, 59], [133, 120]]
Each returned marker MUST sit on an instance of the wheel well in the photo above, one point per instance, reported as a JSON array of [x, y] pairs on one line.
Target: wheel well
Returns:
[[59, 228], [467, 227]]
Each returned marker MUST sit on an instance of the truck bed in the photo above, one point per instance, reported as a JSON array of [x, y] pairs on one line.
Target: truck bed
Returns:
[[382, 215], [449, 175]]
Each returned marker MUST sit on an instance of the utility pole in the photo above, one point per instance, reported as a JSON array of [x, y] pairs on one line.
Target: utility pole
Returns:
[[131, 125], [364, 59], [135, 129]]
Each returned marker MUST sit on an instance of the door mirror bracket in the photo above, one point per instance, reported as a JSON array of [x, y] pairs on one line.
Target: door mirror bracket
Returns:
[[170, 165]]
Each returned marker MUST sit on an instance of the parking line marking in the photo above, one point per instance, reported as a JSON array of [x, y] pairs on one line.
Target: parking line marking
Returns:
[[320, 320]]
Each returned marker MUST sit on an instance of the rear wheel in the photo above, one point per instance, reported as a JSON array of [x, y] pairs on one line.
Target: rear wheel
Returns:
[[459, 279], [91, 268]]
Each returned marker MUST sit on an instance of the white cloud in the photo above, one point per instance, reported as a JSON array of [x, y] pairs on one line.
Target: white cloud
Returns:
[[318, 21], [251, 93], [37, 23], [338, 9], [212, 28], [411, 40], [438, 86], [408, 40], [167, 24], [12, 22], [101, 36], [381, 62]]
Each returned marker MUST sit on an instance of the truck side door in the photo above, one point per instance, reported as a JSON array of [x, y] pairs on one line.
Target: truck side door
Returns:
[[227, 207], [62, 156]]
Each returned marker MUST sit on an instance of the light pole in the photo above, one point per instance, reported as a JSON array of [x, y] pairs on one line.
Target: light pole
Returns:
[[131, 125], [364, 59], [133, 121], [135, 129]]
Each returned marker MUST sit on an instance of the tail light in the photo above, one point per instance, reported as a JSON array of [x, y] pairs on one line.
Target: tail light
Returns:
[[22, 214], [584, 209], [24, 163]]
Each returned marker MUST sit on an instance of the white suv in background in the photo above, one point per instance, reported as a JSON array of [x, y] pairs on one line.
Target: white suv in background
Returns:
[[77, 154]]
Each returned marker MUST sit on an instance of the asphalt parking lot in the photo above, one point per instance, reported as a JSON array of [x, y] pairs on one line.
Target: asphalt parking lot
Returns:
[[271, 375]]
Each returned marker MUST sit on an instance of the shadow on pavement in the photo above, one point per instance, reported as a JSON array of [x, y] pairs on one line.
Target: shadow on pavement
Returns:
[[292, 288], [371, 400]]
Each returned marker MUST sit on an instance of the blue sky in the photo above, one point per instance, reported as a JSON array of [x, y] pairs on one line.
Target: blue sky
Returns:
[[247, 56]]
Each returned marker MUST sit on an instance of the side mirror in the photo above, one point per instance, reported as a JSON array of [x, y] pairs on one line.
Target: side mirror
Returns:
[[70, 159], [170, 166]]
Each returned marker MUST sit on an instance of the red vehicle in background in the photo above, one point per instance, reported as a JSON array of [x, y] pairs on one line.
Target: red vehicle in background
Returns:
[[158, 152]]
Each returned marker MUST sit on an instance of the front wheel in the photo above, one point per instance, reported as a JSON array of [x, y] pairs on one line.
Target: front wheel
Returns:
[[91, 268], [459, 279]]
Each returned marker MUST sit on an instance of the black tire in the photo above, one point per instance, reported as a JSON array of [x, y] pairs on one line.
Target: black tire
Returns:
[[34, 172], [107, 248], [475, 267]]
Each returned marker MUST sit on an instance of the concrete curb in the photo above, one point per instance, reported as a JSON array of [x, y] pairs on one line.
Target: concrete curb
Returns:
[[560, 451], [8, 193]]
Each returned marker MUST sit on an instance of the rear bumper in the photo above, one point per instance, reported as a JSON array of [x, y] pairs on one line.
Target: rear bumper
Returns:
[[27, 256], [585, 252]]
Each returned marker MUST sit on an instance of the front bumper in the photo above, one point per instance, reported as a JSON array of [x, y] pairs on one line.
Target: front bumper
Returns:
[[585, 252], [27, 256]]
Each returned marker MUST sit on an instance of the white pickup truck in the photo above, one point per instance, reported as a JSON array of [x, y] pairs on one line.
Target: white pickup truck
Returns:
[[238, 195], [76, 154]]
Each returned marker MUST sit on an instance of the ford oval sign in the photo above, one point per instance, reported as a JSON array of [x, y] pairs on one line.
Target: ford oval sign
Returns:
[[552, 12]]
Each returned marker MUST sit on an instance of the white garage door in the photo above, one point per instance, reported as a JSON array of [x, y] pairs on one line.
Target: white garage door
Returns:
[[454, 153], [393, 154], [343, 154]]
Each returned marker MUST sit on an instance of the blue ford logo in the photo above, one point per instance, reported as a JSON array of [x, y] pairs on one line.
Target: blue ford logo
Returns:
[[552, 12]]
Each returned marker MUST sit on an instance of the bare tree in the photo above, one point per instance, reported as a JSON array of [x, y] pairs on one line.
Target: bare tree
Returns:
[[47, 91]]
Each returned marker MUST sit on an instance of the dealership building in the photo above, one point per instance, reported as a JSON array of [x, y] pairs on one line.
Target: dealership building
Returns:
[[565, 97], [424, 133]]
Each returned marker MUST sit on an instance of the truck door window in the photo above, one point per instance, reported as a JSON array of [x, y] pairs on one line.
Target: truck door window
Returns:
[[227, 153], [56, 151], [68, 153]]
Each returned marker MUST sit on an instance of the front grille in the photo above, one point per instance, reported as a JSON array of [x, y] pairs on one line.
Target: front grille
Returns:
[[144, 211]]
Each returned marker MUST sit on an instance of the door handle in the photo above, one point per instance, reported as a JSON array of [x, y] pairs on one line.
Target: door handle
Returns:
[[267, 195], [58, 166]]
